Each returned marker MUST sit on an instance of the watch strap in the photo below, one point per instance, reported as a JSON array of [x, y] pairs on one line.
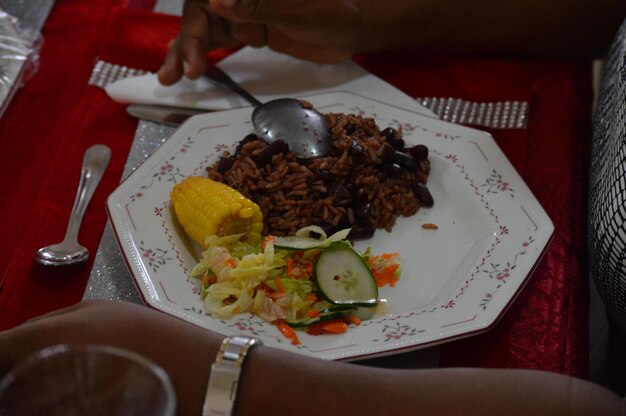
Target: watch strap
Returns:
[[225, 374]]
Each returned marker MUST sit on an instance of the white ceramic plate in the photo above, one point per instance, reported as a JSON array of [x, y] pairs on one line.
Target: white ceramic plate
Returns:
[[457, 280]]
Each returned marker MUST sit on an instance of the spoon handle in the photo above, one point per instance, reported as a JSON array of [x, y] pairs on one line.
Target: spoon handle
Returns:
[[215, 74], [95, 162]]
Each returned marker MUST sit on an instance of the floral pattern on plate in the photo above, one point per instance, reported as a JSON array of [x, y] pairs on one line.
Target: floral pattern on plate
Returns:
[[456, 281]]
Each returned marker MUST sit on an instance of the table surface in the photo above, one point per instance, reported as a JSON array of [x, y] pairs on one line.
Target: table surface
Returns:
[[544, 329]]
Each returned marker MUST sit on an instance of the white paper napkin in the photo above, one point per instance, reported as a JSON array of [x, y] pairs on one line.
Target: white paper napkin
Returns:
[[265, 74]]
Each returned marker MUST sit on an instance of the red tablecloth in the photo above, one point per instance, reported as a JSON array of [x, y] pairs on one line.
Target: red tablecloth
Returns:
[[56, 116]]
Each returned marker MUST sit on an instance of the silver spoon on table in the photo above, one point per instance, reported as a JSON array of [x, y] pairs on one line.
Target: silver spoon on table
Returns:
[[305, 130], [68, 251]]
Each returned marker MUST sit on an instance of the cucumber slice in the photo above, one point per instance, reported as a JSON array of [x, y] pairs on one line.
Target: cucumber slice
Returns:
[[333, 312], [317, 319], [303, 323], [343, 278]]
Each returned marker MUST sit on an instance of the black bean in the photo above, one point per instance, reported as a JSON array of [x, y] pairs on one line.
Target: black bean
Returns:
[[387, 152], [419, 152], [390, 168], [405, 160], [325, 175], [342, 197], [343, 223], [356, 151], [349, 185], [424, 166], [362, 209], [393, 138], [249, 138], [423, 194], [274, 148], [349, 128], [398, 144], [360, 232], [225, 163], [389, 133], [313, 234], [328, 229]]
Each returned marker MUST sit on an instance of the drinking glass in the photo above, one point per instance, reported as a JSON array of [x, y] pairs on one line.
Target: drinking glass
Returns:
[[86, 380]]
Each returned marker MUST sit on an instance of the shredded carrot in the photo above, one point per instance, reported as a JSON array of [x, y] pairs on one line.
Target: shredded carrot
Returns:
[[335, 326], [288, 333], [208, 279], [383, 269], [313, 313], [276, 295], [386, 275], [279, 285], [430, 226], [290, 267], [231, 262], [354, 320], [299, 268], [311, 297]]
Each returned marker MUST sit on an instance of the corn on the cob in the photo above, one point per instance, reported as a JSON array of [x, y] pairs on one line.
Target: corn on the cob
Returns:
[[205, 207]]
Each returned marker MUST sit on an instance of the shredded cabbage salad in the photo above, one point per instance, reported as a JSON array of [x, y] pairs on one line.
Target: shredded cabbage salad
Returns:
[[240, 274]]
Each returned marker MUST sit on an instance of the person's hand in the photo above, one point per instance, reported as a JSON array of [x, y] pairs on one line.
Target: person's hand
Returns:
[[331, 31], [185, 351], [326, 31], [200, 31]]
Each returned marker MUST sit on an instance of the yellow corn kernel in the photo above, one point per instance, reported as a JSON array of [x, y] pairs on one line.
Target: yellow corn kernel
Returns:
[[205, 207]]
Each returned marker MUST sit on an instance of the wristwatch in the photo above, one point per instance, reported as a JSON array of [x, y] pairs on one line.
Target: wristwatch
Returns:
[[225, 372]]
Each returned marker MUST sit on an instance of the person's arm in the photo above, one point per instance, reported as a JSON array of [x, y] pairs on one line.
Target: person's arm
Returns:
[[332, 31], [579, 28], [185, 351], [552, 28], [279, 382]]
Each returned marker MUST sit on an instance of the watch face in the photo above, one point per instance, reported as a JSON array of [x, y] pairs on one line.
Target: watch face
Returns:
[[235, 348]]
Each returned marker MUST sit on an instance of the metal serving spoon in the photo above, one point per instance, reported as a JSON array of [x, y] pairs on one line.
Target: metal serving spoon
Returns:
[[68, 251], [305, 130]]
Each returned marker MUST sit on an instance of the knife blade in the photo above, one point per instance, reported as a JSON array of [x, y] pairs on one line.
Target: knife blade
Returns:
[[172, 116]]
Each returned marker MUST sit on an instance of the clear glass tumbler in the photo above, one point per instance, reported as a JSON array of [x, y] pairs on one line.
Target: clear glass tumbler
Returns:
[[86, 380]]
